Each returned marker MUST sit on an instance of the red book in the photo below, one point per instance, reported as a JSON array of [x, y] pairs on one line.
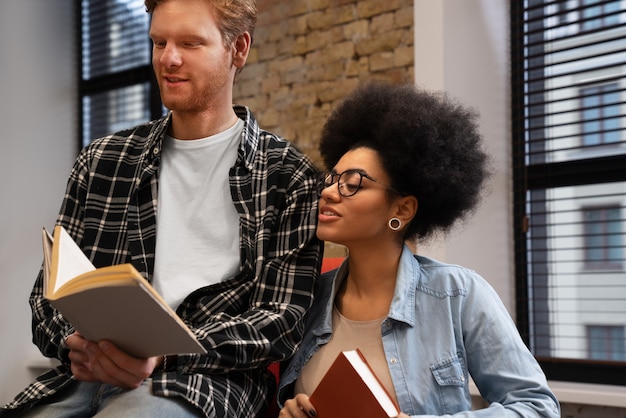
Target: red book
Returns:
[[350, 389]]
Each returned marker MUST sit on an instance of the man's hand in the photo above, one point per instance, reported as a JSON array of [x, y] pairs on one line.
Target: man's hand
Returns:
[[104, 362]]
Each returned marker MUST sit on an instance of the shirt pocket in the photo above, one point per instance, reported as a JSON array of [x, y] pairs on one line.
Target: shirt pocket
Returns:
[[452, 389]]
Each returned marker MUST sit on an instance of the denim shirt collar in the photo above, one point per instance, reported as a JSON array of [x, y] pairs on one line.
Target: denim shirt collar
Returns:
[[402, 305], [328, 284]]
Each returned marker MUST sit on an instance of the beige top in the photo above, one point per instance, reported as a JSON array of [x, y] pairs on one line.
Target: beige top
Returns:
[[347, 335]]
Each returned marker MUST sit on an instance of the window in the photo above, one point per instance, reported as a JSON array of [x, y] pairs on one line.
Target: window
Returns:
[[116, 84], [569, 156], [603, 238], [600, 114], [600, 13], [606, 342]]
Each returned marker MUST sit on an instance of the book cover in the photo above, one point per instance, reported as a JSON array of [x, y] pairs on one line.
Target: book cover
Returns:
[[114, 303], [351, 389]]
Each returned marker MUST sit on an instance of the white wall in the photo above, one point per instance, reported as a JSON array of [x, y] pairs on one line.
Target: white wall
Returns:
[[37, 86], [462, 47]]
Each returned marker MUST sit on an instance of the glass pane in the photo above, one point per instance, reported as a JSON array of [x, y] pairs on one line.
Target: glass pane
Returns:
[[576, 84], [114, 110], [577, 266], [115, 36]]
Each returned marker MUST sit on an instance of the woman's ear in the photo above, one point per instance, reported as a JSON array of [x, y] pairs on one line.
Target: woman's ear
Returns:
[[406, 208], [241, 49]]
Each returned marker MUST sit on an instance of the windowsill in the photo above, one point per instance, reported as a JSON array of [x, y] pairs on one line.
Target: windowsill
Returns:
[[39, 364], [582, 393], [589, 394]]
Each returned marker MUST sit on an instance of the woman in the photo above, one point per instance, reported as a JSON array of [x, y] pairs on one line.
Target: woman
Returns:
[[407, 165]]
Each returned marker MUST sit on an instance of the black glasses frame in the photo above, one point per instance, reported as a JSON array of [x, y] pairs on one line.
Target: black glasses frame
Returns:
[[329, 178]]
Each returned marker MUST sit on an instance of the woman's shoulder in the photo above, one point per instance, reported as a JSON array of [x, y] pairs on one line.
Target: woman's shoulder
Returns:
[[446, 278]]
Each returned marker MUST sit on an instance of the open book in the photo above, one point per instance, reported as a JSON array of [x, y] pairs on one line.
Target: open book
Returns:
[[351, 389], [114, 303]]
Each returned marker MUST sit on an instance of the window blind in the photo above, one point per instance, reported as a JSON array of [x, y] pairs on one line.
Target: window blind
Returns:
[[569, 156], [116, 85]]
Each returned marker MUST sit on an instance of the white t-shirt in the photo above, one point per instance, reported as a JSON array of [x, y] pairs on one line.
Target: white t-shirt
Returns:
[[197, 224]]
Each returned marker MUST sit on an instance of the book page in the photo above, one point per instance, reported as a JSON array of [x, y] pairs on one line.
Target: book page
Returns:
[[372, 382], [47, 256], [68, 260]]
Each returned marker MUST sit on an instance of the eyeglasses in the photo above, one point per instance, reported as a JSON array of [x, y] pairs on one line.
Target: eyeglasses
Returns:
[[348, 182]]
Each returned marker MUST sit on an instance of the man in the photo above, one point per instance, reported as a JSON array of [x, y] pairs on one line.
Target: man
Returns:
[[220, 217]]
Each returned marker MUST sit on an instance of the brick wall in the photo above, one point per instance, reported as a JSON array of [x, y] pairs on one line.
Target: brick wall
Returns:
[[308, 54]]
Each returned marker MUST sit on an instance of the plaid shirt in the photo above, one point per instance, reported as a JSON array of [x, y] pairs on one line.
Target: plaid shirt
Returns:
[[246, 322]]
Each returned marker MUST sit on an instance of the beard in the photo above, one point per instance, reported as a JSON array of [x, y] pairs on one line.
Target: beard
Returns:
[[192, 101], [198, 94]]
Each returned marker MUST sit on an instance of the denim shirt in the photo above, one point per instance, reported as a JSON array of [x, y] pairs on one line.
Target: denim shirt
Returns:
[[445, 325]]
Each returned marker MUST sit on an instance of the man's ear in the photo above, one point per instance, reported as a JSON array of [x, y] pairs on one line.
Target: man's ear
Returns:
[[241, 49]]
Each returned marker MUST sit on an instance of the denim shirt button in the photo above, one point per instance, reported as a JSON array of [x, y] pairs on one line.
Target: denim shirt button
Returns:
[[393, 360]]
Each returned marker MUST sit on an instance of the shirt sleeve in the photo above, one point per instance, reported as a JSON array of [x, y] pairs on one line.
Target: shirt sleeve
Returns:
[[503, 368], [49, 327]]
